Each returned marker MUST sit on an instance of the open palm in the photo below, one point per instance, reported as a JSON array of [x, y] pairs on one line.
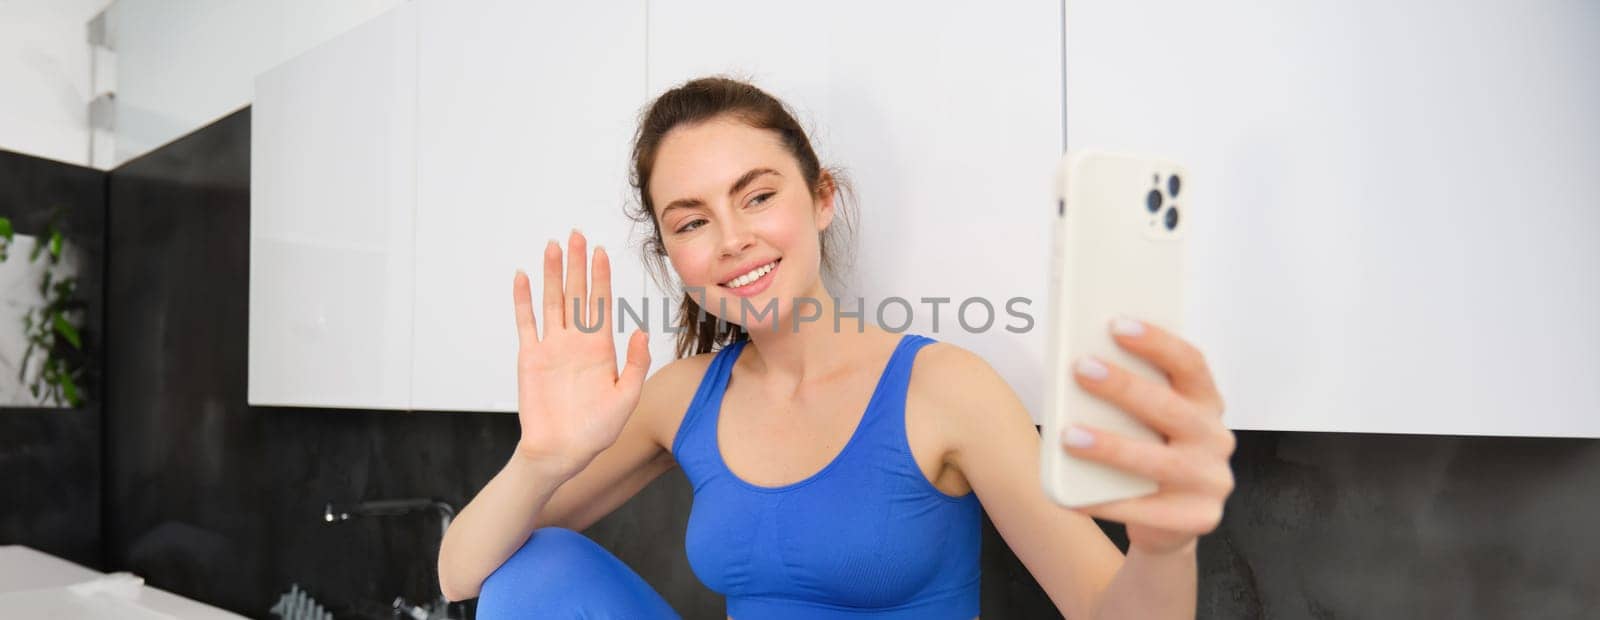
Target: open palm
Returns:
[[571, 401]]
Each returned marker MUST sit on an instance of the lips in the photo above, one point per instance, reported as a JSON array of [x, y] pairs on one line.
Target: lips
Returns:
[[750, 274], [756, 285]]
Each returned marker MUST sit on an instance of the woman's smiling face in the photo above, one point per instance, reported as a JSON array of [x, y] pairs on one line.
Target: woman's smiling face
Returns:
[[738, 221]]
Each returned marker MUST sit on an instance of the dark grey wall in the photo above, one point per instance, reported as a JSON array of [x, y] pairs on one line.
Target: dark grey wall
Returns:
[[50, 458], [1407, 526], [220, 501]]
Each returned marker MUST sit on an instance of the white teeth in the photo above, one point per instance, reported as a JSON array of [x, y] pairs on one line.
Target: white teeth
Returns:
[[754, 275]]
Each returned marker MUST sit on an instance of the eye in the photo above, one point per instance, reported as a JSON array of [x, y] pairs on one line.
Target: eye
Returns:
[[695, 223]]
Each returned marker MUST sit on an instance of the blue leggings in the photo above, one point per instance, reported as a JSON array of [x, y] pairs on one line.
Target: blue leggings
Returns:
[[560, 573]]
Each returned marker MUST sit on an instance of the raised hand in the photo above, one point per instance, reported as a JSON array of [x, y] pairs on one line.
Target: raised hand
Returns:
[[571, 401], [1191, 467]]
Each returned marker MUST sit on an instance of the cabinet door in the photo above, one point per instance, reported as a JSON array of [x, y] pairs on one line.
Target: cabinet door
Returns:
[[526, 113], [947, 115], [1385, 237], [331, 222]]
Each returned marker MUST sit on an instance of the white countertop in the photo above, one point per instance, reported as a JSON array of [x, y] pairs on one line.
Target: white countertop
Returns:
[[34, 584]]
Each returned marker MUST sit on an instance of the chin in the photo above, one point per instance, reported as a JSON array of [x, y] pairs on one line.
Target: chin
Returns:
[[757, 317]]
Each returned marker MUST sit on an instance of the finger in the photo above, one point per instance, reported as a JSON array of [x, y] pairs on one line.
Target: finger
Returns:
[[555, 318], [577, 276], [1177, 512], [600, 306], [522, 302], [1184, 364], [1152, 403], [632, 378], [1155, 461]]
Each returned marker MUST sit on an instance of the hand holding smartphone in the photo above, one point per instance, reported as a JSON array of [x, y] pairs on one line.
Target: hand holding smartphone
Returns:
[[1118, 251]]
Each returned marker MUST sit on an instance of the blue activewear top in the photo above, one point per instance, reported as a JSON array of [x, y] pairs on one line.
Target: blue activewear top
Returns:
[[867, 536]]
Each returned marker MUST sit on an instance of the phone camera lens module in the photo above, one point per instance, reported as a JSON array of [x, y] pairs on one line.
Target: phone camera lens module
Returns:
[[1152, 201], [1173, 185], [1172, 217]]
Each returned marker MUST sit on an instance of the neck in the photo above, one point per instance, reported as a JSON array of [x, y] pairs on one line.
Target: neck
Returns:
[[789, 358]]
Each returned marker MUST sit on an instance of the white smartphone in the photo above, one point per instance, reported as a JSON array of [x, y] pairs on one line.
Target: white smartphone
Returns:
[[1118, 251]]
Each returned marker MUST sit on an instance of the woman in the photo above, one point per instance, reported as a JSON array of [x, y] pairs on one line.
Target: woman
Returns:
[[837, 473]]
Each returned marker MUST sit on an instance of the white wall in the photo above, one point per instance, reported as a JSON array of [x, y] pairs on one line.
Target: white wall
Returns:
[[1392, 227], [44, 77], [182, 65]]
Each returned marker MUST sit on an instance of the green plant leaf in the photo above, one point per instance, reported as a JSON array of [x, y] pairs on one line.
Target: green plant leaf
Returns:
[[56, 379], [71, 390], [22, 368], [5, 228], [68, 331]]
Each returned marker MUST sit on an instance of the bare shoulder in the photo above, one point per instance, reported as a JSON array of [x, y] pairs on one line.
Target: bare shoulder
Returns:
[[959, 393], [950, 373], [667, 393]]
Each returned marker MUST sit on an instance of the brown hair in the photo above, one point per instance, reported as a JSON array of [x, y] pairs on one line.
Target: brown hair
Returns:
[[698, 101]]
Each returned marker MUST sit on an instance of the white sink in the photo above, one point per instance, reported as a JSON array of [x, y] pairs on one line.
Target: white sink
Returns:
[[34, 584]]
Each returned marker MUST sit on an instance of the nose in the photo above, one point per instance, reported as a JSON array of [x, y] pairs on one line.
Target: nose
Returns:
[[736, 236]]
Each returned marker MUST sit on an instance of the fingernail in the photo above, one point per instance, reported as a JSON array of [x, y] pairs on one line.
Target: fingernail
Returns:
[[1077, 437], [599, 248], [1126, 327], [1091, 368]]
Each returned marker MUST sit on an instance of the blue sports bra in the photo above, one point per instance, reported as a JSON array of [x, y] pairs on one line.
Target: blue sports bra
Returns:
[[868, 536]]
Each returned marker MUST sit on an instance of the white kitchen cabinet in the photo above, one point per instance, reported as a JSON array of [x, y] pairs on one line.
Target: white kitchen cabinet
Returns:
[[526, 111], [406, 170], [1386, 237], [333, 196], [402, 174]]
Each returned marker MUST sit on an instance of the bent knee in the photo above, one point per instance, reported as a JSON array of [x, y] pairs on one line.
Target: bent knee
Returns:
[[550, 556], [552, 570]]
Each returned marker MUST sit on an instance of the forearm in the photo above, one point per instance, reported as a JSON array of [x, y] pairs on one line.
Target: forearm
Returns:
[[1152, 586], [495, 524]]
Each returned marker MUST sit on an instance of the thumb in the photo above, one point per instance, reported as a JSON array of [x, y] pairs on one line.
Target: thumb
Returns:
[[632, 378]]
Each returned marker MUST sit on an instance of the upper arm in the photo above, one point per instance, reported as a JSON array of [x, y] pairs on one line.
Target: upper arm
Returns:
[[640, 454], [992, 441]]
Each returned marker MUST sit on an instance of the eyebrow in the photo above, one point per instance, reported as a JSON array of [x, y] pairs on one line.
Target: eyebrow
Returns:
[[744, 180]]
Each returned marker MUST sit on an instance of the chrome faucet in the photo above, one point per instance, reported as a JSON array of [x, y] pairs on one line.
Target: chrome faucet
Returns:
[[334, 513]]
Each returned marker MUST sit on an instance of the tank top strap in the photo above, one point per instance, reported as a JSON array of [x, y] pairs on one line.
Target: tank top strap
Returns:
[[686, 446], [885, 417]]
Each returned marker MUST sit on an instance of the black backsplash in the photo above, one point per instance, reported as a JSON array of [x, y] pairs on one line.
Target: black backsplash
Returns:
[[222, 502], [50, 459]]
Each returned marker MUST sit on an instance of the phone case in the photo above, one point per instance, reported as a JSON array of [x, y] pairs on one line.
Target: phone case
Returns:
[[1114, 254]]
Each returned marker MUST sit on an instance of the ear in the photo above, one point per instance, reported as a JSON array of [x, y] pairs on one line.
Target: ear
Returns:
[[824, 204]]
